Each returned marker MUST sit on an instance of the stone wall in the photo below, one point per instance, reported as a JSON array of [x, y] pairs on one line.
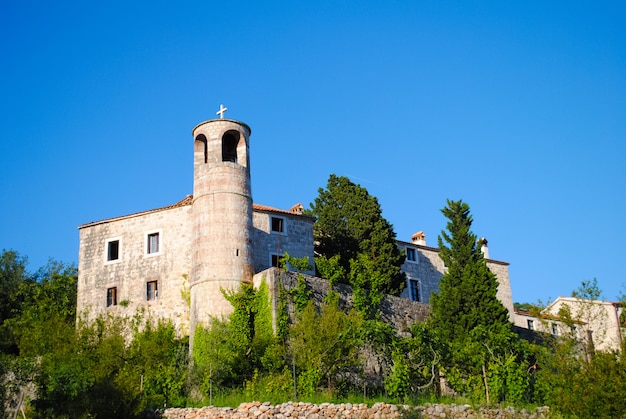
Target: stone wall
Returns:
[[297, 238], [399, 312], [428, 268], [170, 267], [266, 410], [134, 268]]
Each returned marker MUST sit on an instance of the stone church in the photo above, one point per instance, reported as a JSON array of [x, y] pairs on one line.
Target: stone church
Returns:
[[174, 261]]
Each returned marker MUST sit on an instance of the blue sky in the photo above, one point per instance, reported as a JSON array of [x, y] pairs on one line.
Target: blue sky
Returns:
[[516, 107]]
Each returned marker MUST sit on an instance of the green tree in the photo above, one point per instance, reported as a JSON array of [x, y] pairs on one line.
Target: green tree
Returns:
[[227, 352], [466, 313], [102, 372], [325, 345], [577, 387], [13, 276], [572, 376], [48, 312], [349, 223]]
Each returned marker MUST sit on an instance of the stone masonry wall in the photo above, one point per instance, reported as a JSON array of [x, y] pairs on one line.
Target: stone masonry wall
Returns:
[[266, 410], [399, 312], [297, 239], [428, 268], [135, 267]]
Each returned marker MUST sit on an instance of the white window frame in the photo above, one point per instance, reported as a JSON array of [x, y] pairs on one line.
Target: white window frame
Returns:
[[554, 329], [284, 224], [415, 254], [146, 241], [106, 250]]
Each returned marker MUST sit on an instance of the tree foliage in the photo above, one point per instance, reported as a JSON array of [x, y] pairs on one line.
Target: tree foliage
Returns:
[[574, 377], [48, 311], [100, 373], [466, 314], [325, 345], [13, 277], [349, 223], [127, 367]]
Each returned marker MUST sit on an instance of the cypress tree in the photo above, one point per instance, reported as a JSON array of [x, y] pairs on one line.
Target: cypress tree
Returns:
[[466, 313]]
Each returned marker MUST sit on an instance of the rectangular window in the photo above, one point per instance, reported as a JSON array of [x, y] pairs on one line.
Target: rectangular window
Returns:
[[278, 224], [113, 250], [111, 296], [411, 254], [555, 329], [153, 243], [414, 289], [531, 324], [152, 291]]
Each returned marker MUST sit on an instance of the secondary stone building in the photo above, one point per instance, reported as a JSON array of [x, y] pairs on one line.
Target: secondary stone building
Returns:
[[424, 268], [597, 324], [175, 261]]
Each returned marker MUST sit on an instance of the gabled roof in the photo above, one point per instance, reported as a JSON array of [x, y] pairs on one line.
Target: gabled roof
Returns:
[[188, 200], [575, 300], [436, 249], [295, 210]]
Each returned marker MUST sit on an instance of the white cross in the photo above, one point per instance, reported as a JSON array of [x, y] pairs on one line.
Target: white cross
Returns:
[[221, 111]]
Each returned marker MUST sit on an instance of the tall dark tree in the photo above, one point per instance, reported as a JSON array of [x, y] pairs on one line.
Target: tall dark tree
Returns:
[[466, 313], [467, 291], [349, 223]]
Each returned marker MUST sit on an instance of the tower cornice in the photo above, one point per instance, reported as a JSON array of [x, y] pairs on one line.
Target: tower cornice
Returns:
[[246, 126]]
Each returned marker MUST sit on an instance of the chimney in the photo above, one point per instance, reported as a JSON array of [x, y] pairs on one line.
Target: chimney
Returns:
[[482, 242], [297, 209], [419, 238]]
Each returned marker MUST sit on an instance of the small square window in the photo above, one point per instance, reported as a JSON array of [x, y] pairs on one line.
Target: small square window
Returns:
[[411, 254], [153, 243], [113, 250], [278, 225], [111, 296], [152, 291], [414, 289], [531, 324]]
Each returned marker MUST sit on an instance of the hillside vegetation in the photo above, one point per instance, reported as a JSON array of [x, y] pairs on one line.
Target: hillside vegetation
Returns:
[[53, 364]]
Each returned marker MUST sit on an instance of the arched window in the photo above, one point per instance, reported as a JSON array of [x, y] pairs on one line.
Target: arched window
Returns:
[[230, 139], [200, 150]]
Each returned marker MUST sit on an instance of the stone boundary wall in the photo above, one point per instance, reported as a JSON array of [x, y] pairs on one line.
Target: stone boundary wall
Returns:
[[401, 313], [258, 410]]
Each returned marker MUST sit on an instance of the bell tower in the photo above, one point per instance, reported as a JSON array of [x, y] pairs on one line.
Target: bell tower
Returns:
[[222, 216]]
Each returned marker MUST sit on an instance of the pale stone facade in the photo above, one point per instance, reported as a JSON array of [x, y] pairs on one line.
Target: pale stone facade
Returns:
[[424, 269], [118, 283], [175, 261], [592, 322]]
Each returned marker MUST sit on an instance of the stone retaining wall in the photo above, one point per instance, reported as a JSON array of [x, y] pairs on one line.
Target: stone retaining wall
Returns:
[[401, 313], [258, 410]]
